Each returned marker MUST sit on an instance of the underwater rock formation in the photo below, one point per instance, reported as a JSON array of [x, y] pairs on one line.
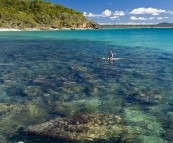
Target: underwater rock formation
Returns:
[[79, 127]]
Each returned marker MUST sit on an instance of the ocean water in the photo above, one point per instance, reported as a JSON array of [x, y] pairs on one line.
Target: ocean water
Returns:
[[44, 74]]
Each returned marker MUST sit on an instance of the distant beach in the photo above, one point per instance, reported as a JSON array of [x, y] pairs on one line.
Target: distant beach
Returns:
[[9, 29], [38, 29], [50, 29]]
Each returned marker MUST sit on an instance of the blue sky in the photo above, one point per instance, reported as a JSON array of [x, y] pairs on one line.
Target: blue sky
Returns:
[[123, 11]]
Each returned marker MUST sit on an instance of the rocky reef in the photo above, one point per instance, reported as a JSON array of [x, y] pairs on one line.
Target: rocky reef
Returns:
[[79, 127]]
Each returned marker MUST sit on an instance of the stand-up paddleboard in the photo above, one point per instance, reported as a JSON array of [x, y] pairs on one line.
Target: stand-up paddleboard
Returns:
[[108, 58]]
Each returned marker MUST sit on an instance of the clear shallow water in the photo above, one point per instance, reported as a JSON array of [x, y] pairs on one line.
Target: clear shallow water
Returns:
[[48, 73]]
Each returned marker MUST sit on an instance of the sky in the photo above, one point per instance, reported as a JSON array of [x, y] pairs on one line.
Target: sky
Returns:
[[122, 11]]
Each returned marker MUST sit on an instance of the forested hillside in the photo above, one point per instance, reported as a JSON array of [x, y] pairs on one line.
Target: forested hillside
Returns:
[[40, 14]]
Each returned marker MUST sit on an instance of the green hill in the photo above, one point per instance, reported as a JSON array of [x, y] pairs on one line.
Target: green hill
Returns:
[[165, 24], [40, 14]]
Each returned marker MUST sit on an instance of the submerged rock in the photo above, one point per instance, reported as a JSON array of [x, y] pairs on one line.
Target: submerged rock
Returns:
[[33, 91], [86, 106], [79, 127]]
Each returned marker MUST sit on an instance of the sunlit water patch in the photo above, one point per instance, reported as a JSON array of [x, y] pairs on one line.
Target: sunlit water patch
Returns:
[[41, 79]]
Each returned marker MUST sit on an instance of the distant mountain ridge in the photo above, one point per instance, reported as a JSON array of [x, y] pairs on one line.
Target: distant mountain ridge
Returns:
[[165, 24], [23, 14], [159, 25]]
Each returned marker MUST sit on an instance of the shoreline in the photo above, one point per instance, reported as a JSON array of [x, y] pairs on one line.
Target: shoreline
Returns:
[[56, 29], [9, 29], [44, 29]]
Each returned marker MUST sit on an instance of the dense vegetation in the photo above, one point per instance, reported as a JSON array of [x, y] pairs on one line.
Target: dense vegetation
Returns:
[[40, 14]]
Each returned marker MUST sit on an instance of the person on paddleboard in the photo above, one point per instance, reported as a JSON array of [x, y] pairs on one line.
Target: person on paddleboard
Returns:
[[110, 55]]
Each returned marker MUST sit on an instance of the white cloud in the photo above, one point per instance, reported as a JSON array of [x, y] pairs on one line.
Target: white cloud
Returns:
[[160, 18], [110, 3], [170, 12], [106, 13], [105, 23], [85, 13], [128, 23], [141, 18], [137, 18], [119, 13], [133, 23], [150, 10], [155, 14], [114, 17], [151, 18], [91, 15]]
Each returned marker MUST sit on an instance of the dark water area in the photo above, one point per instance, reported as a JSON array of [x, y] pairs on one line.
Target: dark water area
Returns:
[[43, 78]]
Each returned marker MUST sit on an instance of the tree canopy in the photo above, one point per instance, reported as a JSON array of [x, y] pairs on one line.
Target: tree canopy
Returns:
[[38, 14]]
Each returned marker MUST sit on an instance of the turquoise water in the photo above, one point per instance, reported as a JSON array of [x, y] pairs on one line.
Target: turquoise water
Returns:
[[44, 74]]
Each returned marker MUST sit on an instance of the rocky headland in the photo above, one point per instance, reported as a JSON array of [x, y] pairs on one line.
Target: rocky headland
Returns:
[[40, 15]]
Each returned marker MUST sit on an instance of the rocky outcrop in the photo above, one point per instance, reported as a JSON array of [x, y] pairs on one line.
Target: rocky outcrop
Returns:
[[79, 127]]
